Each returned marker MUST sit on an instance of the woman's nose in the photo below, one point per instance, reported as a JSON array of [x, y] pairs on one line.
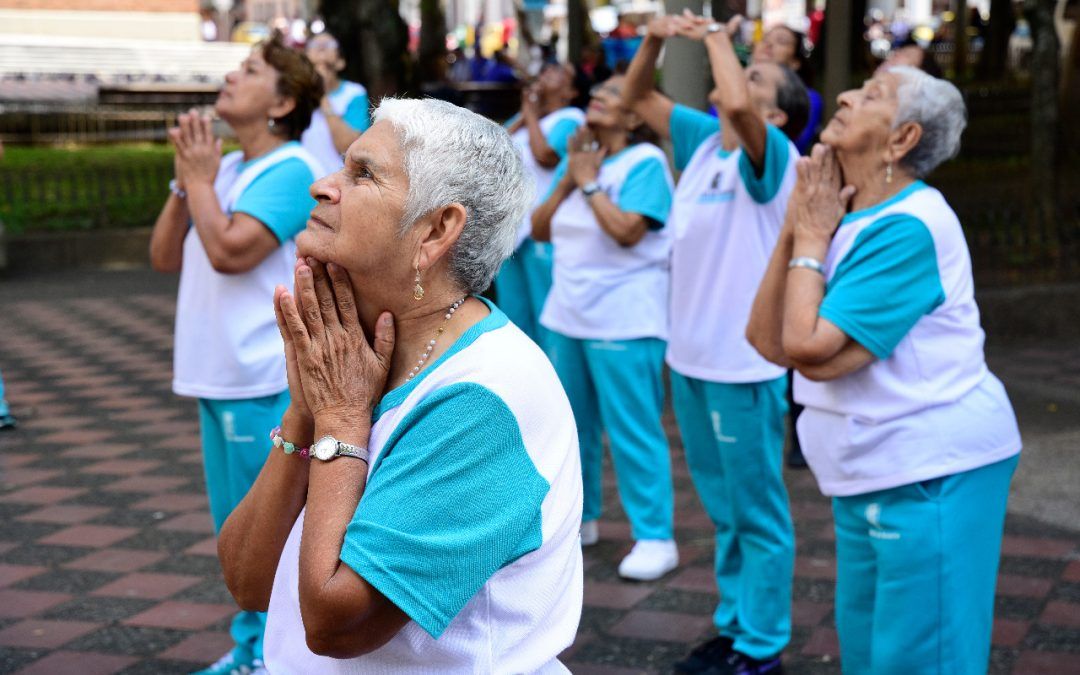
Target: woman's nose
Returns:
[[325, 189]]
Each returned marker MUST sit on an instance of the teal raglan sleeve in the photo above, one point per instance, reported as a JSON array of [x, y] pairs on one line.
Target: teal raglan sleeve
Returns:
[[453, 498], [280, 198], [647, 191], [357, 113], [689, 128], [885, 284], [559, 137], [777, 153]]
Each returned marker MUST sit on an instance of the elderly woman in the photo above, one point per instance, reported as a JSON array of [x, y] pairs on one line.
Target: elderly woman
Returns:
[[607, 311], [541, 133], [422, 512], [228, 228], [869, 296]]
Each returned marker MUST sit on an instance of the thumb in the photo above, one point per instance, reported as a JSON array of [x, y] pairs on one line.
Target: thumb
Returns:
[[217, 145], [846, 194], [384, 339]]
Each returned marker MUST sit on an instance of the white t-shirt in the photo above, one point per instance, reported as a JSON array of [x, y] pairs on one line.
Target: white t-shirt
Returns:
[[725, 221], [899, 283], [469, 523], [227, 343], [557, 127], [350, 102], [602, 290]]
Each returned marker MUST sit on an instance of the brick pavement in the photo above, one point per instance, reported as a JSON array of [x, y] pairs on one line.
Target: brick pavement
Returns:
[[107, 555]]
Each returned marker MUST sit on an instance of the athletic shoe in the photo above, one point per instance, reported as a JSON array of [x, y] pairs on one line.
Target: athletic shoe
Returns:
[[706, 655], [8, 422], [590, 533], [238, 661], [741, 664], [650, 559]]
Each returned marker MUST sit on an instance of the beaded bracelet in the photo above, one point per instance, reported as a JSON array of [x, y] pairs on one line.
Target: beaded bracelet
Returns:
[[290, 448]]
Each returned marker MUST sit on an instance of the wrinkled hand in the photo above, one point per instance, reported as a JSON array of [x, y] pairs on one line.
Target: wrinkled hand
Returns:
[[584, 157], [198, 151], [178, 169], [661, 27], [694, 27], [530, 101], [341, 376], [820, 199]]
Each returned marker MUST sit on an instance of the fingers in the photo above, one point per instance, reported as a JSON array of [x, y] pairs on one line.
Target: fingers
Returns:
[[846, 194], [198, 131], [301, 340], [305, 290], [346, 302], [384, 339], [327, 304], [286, 336], [208, 129]]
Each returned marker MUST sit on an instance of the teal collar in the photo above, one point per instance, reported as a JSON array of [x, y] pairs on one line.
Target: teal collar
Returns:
[[245, 164], [395, 397], [877, 208]]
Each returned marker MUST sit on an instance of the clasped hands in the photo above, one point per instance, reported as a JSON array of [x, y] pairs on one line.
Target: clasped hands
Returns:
[[818, 202], [335, 376], [198, 151]]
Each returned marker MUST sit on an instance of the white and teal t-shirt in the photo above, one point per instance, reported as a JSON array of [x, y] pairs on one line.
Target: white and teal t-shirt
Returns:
[[350, 102], [726, 220], [558, 127], [899, 283], [469, 523], [602, 290], [227, 343]]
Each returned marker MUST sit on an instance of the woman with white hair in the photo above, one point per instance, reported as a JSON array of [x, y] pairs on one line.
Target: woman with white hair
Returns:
[[869, 296], [422, 512]]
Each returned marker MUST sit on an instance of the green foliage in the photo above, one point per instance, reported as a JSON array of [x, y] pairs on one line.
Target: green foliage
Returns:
[[80, 188]]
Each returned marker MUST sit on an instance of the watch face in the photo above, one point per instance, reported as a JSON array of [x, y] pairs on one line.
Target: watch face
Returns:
[[325, 449]]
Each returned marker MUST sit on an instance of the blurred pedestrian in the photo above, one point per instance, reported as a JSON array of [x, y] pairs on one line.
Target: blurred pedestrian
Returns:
[[607, 313], [788, 47], [869, 295], [228, 229], [343, 112], [541, 132]]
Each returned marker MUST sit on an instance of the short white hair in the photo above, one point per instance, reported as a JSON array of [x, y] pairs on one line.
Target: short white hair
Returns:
[[452, 156], [938, 107]]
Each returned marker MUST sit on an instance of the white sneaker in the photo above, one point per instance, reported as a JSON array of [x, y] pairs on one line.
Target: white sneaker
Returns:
[[650, 559], [590, 533]]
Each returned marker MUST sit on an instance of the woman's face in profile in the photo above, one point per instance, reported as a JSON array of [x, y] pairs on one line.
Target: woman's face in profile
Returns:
[[865, 116], [357, 220], [249, 91]]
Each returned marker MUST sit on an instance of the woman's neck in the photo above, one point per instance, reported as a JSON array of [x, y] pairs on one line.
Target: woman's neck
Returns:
[[613, 140], [869, 179], [331, 85], [552, 103], [256, 139]]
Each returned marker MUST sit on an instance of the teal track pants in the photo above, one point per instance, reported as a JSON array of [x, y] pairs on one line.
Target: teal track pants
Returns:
[[4, 410], [618, 386], [916, 570], [236, 443], [734, 440], [522, 286]]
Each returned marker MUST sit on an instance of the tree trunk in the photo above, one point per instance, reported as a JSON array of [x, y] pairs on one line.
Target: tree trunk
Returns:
[[996, 49], [960, 42], [374, 42], [838, 50], [432, 56], [1044, 112]]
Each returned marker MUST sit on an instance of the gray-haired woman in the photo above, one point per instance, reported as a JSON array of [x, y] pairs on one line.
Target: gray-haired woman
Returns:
[[436, 527], [904, 426]]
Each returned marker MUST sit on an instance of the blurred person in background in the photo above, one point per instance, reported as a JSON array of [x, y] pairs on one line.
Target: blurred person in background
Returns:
[[788, 47], [869, 295], [228, 229], [343, 113], [729, 402], [910, 52], [607, 316], [541, 133]]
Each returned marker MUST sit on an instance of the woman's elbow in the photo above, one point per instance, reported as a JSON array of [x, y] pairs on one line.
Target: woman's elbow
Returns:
[[251, 594], [770, 350], [797, 350]]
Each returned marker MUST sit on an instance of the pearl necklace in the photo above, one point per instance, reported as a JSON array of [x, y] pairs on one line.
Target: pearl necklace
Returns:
[[431, 342]]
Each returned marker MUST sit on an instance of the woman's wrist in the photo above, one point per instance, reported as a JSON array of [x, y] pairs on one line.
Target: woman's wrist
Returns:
[[807, 245], [353, 427], [297, 427]]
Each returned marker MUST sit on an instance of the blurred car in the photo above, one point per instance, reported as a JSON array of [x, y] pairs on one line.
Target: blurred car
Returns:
[[250, 32]]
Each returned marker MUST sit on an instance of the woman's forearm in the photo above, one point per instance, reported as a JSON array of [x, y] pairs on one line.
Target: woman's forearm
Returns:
[[167, 239], [765, 327], [251, 541], [805, 339], [542, 152], [341, 133], [627, 229], [541, 217]]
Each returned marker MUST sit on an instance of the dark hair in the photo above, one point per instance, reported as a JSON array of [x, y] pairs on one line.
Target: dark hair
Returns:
[[298, 80], [791, 97], [802, 56]]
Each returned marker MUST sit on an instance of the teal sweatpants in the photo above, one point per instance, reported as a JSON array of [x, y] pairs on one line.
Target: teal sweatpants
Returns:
[[4, 410], [916, 570], [236, 443], [522, 286], [618, 386], [734, 440]]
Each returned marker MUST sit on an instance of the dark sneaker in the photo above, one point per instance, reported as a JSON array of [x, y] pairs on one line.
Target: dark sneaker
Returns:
[[741, 664], [8, 422], [707, 656]]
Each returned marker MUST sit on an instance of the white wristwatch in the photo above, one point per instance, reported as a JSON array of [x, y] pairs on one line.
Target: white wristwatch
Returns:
[[328, 448], [590, 188]]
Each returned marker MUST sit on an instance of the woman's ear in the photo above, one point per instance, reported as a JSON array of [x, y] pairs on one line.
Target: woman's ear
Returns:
[[284, 106], [442, 231], [777, 117], [902, 140]]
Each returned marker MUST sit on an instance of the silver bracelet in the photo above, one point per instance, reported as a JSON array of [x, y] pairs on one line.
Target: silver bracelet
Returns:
[[175, 189], [807, 263]]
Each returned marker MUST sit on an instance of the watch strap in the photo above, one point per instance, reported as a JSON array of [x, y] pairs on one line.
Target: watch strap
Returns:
[[590, 188]]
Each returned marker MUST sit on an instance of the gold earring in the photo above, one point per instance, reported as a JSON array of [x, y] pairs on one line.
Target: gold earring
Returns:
[[418, 290], [888, 173]]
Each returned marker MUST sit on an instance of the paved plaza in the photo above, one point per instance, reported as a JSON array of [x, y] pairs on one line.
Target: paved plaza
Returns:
[[107, 554]]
